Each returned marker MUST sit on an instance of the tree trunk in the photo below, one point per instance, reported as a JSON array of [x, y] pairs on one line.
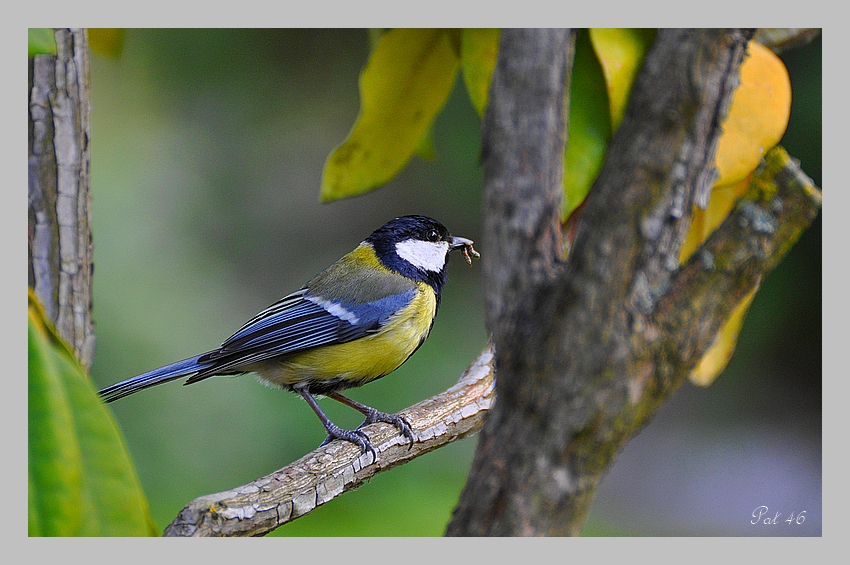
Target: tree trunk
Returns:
[[588, 348], [60, 247]]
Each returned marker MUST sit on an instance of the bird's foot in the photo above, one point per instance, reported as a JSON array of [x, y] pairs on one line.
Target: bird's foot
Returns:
[[396, 420], [354, 436]]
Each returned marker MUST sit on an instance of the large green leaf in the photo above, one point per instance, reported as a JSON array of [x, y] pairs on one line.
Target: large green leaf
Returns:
[[81, 479], [403, 87], [589, 129]]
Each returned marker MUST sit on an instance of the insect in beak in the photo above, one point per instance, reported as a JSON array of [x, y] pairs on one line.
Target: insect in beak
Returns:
[[465, 245]]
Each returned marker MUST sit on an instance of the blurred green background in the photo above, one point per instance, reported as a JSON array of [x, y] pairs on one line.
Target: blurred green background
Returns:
[[207, 151]]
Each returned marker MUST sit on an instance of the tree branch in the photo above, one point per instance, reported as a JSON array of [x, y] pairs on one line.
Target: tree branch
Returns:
[[783, 38], [523, 138], [59, 192], [781, 202], [569, 394], [264, 504]]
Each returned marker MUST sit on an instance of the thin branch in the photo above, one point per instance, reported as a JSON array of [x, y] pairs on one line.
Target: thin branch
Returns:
[[784, 38], [264, 504]]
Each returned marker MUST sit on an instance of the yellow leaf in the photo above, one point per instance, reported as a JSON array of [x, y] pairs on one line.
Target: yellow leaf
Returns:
[[759, 185], [718, 355], [756, 122], [375, 34], [425, 147], [404, 85], [620, 52], [478, 51], [758, 116], [107, 41], [704, 222]]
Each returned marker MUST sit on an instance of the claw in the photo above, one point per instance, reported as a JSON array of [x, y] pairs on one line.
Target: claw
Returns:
[[354, 436], [373, 415], [396, 420]]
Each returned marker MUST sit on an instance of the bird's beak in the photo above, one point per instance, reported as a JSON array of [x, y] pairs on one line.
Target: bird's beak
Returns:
[[458, 242], [465, 245]]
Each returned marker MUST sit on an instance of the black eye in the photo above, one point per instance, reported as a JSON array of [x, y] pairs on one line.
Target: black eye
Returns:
[[432, 235]]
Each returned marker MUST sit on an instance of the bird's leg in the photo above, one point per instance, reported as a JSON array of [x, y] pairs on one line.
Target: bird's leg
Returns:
[[335, 432], [373, 416]]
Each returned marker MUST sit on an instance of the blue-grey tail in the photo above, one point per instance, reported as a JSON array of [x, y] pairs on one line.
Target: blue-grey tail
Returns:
[[157, 376]]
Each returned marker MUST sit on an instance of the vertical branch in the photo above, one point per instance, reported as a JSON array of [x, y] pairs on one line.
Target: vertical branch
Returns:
[[523, 138], [524, 135], [573, 360], [60, 250]]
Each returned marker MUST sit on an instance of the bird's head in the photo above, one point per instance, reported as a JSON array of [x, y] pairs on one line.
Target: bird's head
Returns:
[[418, 247]]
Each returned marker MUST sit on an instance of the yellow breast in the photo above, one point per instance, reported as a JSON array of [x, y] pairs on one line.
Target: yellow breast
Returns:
[[364, 359]]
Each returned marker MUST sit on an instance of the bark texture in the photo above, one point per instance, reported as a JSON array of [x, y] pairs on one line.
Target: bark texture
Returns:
[[59, 197], [588, 347]]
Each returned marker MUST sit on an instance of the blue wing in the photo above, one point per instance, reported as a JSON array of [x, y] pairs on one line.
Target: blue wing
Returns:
[[297, 322]]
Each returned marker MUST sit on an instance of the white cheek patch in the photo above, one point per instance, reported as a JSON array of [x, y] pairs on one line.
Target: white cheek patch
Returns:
[[427, 255]]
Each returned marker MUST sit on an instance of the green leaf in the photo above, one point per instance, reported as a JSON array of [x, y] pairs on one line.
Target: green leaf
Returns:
[[40, 41], [81, 479], [621, 52], [479, 48], [589, 129], [403, 87]]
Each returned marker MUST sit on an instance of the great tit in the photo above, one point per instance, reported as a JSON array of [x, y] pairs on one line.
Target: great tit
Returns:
[[354, 322]]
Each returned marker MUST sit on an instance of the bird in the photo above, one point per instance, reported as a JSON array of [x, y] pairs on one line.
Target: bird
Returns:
[[356, 321]]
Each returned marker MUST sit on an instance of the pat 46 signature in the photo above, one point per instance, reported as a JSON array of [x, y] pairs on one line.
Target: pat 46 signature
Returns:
[[763, 515]]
